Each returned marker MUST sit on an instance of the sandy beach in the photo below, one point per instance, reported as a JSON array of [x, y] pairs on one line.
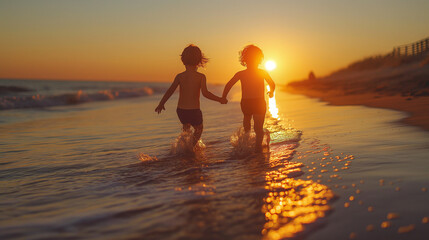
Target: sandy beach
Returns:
[[416, 107], [399, 83]]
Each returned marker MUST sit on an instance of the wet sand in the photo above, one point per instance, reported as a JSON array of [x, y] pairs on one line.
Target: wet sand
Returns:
[[416, 107], [376, 167]]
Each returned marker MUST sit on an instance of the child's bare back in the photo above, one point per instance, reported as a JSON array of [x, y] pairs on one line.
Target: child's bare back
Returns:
[[191, 82], [190, 86], [252, 79], [252, 83]]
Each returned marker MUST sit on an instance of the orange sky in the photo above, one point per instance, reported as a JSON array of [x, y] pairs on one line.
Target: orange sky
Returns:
[[142, 40]]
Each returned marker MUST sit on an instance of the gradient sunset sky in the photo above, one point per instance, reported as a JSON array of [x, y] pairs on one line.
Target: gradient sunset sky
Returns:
[[142, 40]]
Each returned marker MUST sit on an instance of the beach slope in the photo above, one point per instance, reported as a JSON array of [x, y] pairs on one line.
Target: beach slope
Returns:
[[400, 83]]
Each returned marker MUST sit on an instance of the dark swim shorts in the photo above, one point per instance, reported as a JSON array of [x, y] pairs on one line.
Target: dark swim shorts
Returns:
[[253, 106], [190, 116]]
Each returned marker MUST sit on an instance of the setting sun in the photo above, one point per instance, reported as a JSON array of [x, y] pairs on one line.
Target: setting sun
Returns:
[[270, 65]]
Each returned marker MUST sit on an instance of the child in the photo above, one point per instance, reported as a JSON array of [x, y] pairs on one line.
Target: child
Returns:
[[253, 89], [190, 82]]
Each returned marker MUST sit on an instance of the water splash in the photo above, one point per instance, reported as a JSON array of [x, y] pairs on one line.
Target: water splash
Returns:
[[146, 158], [243, 142], [183, 144]]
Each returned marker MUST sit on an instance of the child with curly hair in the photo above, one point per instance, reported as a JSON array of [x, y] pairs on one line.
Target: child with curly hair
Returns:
[[253, 91]]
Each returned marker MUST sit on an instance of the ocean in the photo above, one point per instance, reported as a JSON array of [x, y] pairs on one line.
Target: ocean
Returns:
[[92, 160]]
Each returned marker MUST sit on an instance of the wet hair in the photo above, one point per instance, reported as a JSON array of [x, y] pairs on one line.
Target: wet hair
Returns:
[[193, 56], [250, 53]]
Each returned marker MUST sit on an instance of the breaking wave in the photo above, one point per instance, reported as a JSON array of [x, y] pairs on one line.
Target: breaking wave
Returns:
[[41, 101]]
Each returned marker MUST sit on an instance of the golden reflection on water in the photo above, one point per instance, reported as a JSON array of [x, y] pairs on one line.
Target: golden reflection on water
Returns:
[[272, 105], [291, 203]]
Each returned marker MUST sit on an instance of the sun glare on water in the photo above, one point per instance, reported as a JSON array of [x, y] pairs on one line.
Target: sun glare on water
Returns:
[[272, 105], [270, 65]]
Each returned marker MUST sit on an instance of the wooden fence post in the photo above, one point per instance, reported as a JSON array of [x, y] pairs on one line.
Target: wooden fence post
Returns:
[[426, 44], [411, 49]]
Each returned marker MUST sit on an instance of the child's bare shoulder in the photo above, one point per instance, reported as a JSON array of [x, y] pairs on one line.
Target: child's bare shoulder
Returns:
[[187, 76], [239, 74], [263, 71], [201, 74], [180, 75]]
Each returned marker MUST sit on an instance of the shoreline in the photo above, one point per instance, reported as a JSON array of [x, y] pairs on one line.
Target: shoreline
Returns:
[[416, 107]]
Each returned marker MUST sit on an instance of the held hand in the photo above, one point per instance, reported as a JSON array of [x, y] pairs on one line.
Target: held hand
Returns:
[[223, 101], [159, 108], [271, 94]]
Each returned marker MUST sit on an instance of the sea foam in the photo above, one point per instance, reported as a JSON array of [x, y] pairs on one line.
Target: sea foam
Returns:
[[183, 144], [80, 96], [275, 133], [243, 142], [147, 158]]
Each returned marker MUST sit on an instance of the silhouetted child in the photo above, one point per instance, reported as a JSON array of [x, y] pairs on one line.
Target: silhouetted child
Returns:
[[253, 91], [190, 82]]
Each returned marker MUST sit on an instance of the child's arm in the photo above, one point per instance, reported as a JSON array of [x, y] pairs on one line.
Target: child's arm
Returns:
[[206, 93], [167, 95], [271, 83], [229, 85]]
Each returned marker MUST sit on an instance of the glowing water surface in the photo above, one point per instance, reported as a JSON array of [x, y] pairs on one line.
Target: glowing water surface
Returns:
[[376, 166], [105, 169], [291, 203]]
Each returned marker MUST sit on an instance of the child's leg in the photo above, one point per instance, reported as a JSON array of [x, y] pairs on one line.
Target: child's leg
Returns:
[[246, 122], [186, 127], [198, 130], [258, 124]]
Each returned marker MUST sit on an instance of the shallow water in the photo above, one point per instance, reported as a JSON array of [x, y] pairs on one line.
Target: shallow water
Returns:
[[388, 172], [104, 169]]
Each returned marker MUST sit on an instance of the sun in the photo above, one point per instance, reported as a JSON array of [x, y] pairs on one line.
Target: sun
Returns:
[[270, 65]]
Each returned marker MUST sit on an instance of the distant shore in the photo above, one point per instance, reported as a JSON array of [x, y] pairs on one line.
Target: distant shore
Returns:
[[389, 81], [417, 107]]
